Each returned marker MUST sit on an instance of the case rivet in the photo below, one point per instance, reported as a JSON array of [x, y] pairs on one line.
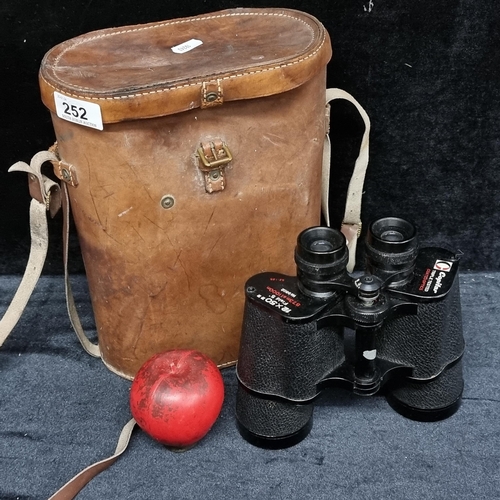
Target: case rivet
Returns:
[[211, 96], [66, 175], [214, 175], [167, 201]]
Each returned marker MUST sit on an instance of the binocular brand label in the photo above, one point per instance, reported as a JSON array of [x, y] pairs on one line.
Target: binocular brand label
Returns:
[[443, 265], [432, 279]]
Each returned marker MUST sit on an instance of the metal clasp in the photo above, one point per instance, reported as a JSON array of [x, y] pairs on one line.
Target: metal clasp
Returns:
[[218, 157], [212, 94], [214, 156]]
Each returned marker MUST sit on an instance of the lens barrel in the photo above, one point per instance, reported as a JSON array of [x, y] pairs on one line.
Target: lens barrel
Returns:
[[391, 249], [321, 256]]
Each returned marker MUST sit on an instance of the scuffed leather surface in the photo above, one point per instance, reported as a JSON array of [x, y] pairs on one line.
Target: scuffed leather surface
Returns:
[[164, 279]]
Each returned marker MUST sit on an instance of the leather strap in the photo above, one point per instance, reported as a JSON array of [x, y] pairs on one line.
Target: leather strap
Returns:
[[90, 348], [351, 224], [74, 485]]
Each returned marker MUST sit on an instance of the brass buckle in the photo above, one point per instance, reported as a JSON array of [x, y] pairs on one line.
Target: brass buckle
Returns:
[[218, 158]]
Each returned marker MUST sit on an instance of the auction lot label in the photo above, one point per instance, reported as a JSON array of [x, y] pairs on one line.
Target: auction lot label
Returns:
[[77, 111]]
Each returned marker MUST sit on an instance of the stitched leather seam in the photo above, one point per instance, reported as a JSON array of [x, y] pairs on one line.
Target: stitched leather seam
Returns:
[[196, 84], [184, 21]]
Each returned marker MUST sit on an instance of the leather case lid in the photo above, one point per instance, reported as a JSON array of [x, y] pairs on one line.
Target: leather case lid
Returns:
[[145, 70]]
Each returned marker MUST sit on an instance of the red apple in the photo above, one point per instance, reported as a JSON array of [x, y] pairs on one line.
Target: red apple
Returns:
[[177, 396]]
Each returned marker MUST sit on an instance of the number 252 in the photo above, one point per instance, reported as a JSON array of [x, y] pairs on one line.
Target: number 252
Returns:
[[72, 110]]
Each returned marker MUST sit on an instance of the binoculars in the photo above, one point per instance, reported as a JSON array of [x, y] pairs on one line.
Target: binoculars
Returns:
[[394, 328]]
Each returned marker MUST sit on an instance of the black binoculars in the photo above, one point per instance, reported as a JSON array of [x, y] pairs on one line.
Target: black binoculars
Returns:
[[394, 327]]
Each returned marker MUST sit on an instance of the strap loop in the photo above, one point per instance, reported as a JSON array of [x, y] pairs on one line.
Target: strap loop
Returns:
[[41, 187], [46, 197]]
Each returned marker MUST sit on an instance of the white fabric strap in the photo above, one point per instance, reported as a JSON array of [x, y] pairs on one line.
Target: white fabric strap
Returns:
[[351, 224]]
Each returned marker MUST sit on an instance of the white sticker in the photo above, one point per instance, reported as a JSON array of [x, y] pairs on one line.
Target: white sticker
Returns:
[[187, 46], [84, 113], [370, 354]]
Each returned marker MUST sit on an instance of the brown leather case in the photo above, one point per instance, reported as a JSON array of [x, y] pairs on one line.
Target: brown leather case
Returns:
[[207, 167]]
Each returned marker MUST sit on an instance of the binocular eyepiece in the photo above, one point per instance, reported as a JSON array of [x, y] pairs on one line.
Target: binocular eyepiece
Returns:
[[392, 249], [321, 255]]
